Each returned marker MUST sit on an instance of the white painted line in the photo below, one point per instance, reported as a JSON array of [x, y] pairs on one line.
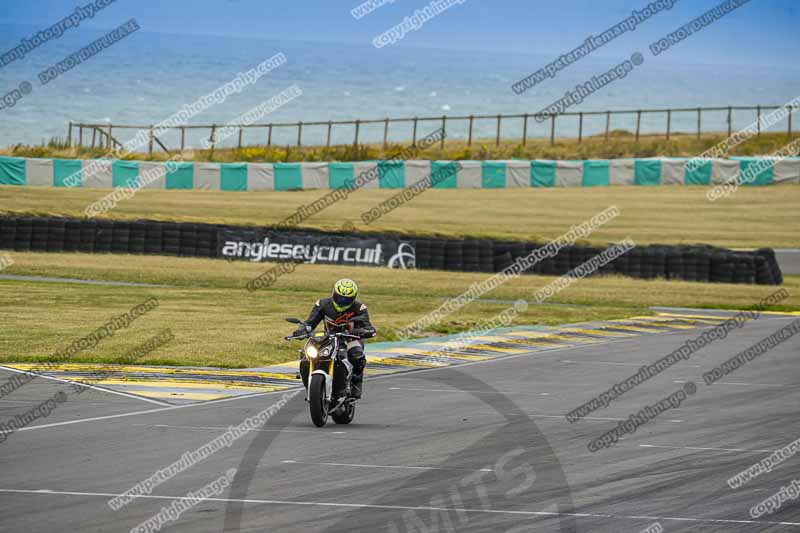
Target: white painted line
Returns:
[[708, 449], [257, 430], [615, 363], [375, 378], [745, 384], [134, 413], [388, 466], [48, 492], [471, 391], [546, 351], [675, 421], [103, 389]]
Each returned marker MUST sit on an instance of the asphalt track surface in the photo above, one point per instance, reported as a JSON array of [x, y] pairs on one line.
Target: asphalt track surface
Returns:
[[481, 447]]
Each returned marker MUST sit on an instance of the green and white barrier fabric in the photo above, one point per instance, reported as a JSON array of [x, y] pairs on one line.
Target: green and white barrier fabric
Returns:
[[385, 174]]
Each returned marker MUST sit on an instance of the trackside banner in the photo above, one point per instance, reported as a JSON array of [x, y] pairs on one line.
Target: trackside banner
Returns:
[[327, 249]]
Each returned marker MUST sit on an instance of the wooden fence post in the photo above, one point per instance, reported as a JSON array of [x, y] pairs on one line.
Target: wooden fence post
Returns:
[[328, 141], [414, 134], [730, 120], [358, 127], [444, 124], [69, 135], [669, 121], [150, 144], [758, 119], [183, 138], [580, 127], [638, 123], [212, 139], [300, 133], [471, 120], [699, 126], [386, 134], [269, 134], [552, 129], [497, 138], [524, 129]]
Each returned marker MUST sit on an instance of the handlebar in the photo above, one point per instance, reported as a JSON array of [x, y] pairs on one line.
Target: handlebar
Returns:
[[301, 337]]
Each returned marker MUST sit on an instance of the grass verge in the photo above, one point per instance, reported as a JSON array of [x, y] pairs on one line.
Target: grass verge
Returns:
[[620, 143], [216, 322], [754, 217]]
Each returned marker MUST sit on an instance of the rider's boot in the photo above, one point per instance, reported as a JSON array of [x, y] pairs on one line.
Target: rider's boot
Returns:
[[359, 361], [355, 389]]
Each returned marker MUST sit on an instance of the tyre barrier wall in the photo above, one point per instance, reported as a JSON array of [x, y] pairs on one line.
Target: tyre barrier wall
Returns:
[[691, 263], [106, 173]]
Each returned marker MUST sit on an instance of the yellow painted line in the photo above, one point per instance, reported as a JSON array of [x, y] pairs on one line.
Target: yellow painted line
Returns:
[[640, 323], [426, 353], [179, 395], [491, 338], [500, 349], [668, 321], [503, 337], [601, 332], [183, 384], [660, 319], [632, 328], [554, 336], [464, 356], [527, 334], [707, 318], [664, 325], [89, 367], [574, 338], [540, 344], [462, 345], [511, 340], [373, 371], [449, 344], [525, 341], [403, 362]]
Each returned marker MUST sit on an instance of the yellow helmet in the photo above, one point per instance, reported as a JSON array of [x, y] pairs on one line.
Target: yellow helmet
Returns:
[[344, 294]]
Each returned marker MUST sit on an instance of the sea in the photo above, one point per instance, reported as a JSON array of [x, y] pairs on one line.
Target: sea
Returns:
[[146, 77]]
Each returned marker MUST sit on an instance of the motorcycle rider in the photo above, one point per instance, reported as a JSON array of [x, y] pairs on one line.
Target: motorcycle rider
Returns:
[[340, 308]]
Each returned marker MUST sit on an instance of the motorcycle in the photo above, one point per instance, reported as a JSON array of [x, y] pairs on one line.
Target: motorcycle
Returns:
[[327, 373]]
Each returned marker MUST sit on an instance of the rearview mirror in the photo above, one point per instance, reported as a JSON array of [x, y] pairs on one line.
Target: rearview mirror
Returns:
[[294, 320]]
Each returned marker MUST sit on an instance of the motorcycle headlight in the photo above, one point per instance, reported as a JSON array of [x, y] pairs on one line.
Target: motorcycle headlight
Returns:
[[311, 352]]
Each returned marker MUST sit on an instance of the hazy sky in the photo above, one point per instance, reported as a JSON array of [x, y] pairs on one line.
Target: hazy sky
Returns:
[[762, 32]]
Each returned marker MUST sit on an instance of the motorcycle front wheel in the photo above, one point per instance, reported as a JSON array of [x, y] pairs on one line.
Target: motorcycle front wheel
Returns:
[[316, 400]]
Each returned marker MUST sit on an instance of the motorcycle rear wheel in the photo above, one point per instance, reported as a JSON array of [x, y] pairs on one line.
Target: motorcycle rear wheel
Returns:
[[318, 406], [345, 414]]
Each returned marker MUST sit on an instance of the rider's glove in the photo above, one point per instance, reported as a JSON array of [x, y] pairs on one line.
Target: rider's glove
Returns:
[[364, 332], [300, 331]]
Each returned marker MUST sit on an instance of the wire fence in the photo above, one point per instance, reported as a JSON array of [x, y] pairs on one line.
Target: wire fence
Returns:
[[497, 128]]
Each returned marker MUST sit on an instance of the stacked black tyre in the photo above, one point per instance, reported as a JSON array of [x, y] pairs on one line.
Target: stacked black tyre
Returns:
[[8, 233], [692, 263]]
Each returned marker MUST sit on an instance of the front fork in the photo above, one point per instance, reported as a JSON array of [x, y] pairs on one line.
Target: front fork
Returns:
[[326, 370]]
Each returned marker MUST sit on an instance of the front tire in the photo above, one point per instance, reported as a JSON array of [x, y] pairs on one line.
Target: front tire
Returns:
[[345, 414], [318, 406]]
